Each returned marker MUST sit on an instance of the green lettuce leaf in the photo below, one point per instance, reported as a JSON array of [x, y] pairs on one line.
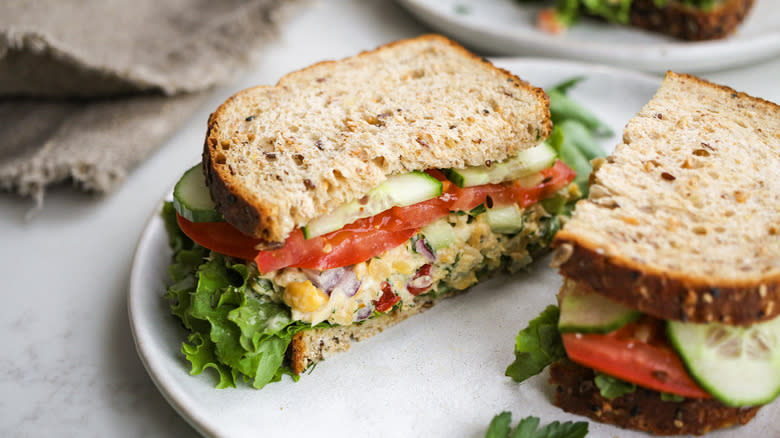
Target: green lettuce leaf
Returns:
[[613, 10], [234, 330], [537, 346], [665, 396], [200, 351], [612, 387]]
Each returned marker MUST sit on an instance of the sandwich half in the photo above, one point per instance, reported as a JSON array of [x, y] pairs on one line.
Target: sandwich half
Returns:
[[668, 310], [353, 194]]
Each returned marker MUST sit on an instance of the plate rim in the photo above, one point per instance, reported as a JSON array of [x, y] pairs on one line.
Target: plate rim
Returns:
[[172, 394]]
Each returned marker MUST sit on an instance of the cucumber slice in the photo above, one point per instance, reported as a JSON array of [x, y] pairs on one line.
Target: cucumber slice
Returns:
[[505, 220], [191, 197], [439, 234], [739, 366], [397, 191], [525, 163], [589, 312], [554, 204]]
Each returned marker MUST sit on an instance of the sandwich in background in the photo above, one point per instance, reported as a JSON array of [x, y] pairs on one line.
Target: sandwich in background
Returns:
[[667, 319], [692, 20], [354, 194]]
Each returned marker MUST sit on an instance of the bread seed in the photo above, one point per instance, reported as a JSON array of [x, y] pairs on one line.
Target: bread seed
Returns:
[[562, 254], [660, 375], [630, 220]]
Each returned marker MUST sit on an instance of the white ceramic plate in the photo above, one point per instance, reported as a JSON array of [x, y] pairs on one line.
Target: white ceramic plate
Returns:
[[506, 27], [436, 374]]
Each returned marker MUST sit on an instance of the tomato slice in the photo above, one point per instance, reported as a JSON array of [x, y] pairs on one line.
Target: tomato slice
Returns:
[[341, 248], [554, 178], [649, 362], [220, 237], [356, 242], [368, 237]]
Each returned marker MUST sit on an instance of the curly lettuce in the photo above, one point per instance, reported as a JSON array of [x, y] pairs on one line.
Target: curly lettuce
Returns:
[[233, 330]]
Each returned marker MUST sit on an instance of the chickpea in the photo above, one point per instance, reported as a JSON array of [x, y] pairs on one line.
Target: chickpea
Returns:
[[303, 296]]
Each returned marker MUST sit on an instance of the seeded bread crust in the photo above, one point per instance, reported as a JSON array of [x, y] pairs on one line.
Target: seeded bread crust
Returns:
[[689, 23], [683, 221], [311, 346], [664, 296], [577, 393], [276, 157]]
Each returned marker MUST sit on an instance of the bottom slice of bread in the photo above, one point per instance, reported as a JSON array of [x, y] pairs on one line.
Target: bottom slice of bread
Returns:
[[311, 346], [642, 409]]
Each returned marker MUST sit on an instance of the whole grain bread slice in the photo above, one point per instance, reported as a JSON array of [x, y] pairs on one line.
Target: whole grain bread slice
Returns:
[[683, 221], [642, 409], [311, 346], [688, 22], [276, 157]]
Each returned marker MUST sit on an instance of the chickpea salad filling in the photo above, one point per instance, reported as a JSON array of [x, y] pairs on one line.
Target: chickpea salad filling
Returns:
[[421, 266], [241, 321]]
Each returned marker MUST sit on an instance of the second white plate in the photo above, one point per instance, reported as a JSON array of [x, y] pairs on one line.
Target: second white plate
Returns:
[[506, 27]]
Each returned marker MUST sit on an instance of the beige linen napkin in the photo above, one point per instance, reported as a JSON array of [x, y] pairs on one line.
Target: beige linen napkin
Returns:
[[89, 88]]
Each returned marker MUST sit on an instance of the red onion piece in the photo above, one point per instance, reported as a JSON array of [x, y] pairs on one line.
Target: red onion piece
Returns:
[[348, 283], [363, 313], [326, 280], [422, 248]]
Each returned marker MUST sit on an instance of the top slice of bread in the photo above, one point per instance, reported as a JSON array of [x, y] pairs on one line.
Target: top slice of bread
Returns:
[[683, 220], [276, 157]]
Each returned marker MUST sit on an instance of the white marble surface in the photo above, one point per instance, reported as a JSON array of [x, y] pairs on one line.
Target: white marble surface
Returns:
[[68, 366]]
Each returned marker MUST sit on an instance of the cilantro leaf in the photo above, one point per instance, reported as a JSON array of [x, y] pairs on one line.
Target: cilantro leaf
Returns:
[[500, 426], [537, 346], [528, 427]]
